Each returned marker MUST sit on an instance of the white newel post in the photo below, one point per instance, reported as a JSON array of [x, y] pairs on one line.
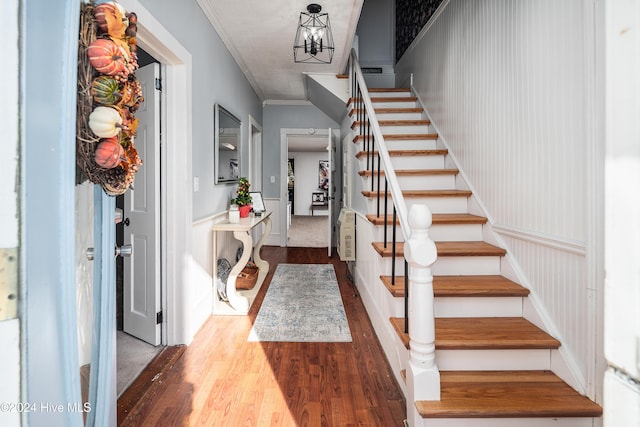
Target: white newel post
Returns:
[[423, 377]]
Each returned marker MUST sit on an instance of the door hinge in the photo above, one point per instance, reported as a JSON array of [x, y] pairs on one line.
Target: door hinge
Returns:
[[159, 85], [8, 283], [159, 318]]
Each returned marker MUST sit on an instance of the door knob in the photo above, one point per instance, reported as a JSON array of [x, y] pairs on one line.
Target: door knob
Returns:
[[124, 250]]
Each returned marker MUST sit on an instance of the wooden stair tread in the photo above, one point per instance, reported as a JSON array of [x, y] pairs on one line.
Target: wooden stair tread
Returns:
[[423, 193], [471, 248], [506, 394], [440, 219], [357, 123], [397, 110], [463, 286], [484, 333], [414, 172], [409, 153], [491, 332], [403, 137]]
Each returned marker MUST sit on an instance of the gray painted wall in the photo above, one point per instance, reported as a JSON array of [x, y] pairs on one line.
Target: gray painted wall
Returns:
[[277, 117], [375, 33], [216, 79]]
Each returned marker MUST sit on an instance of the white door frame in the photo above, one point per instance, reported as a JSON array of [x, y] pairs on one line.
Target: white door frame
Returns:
[[255, 154], [285, 133], [176, 203]]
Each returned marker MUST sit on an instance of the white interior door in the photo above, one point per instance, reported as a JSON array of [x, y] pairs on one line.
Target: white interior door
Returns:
[[142, 299], [330, 192]]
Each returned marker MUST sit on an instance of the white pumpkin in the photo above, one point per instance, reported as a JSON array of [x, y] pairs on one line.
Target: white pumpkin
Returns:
[[122, 10], [105, 122]]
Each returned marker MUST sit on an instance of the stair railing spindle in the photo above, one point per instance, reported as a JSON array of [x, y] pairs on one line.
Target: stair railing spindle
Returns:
[[406, 296], [386, 210]]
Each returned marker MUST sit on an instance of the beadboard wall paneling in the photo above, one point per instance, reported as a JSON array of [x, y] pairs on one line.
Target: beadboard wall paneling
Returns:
[[504, 83], [507, 84]]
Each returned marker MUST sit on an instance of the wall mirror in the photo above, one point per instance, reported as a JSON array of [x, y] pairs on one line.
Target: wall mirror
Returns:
[[227, 136]]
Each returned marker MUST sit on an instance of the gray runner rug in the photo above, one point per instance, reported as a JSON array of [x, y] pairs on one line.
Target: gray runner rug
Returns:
[[302, 304]]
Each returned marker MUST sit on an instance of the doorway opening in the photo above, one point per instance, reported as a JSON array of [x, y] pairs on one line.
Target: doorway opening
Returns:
[[138, 277], [307, 188]]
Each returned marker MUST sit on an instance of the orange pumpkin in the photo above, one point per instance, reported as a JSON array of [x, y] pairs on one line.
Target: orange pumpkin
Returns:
[[106, 57], [111, 19], [109, 153]]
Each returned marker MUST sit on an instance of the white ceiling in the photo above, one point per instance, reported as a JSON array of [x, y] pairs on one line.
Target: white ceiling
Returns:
[[260, 36]]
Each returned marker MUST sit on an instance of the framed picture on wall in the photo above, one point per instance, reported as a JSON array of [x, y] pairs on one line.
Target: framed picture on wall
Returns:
[[323, 175]]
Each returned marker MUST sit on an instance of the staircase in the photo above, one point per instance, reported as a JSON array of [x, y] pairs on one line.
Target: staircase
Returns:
[[495, 366]]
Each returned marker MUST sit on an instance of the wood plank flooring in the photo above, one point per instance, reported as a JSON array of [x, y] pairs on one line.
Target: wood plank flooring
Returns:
[[223, 380]]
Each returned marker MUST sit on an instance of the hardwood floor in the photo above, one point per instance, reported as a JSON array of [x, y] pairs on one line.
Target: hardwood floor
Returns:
[[223, 380]]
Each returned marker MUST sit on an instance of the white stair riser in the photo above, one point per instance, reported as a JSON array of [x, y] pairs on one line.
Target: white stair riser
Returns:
[[450, 266], [494, 360], [478, 307], [469, 265], [404, 129], [407, 162], [456, 232], [397, 116], [395, 104], [391, 94], [437, 232], [504, 422], [435, 204], [470, 307], [440, 204], [409, 144], [417, 182], [395, 129]]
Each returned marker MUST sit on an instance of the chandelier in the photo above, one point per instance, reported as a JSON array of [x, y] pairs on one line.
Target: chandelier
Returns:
[[314, 41]]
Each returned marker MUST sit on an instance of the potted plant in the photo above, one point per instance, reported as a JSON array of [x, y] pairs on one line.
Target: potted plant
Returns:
[[243, 198]]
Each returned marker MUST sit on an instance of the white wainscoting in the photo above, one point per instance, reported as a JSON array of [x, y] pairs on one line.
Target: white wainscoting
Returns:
[[510, 89], [275, 237], [199, 297]]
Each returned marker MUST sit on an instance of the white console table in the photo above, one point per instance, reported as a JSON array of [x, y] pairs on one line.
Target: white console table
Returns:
[[240, 300]]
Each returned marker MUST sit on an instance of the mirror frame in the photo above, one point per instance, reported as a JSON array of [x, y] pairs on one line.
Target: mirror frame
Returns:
[[219, 111]]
